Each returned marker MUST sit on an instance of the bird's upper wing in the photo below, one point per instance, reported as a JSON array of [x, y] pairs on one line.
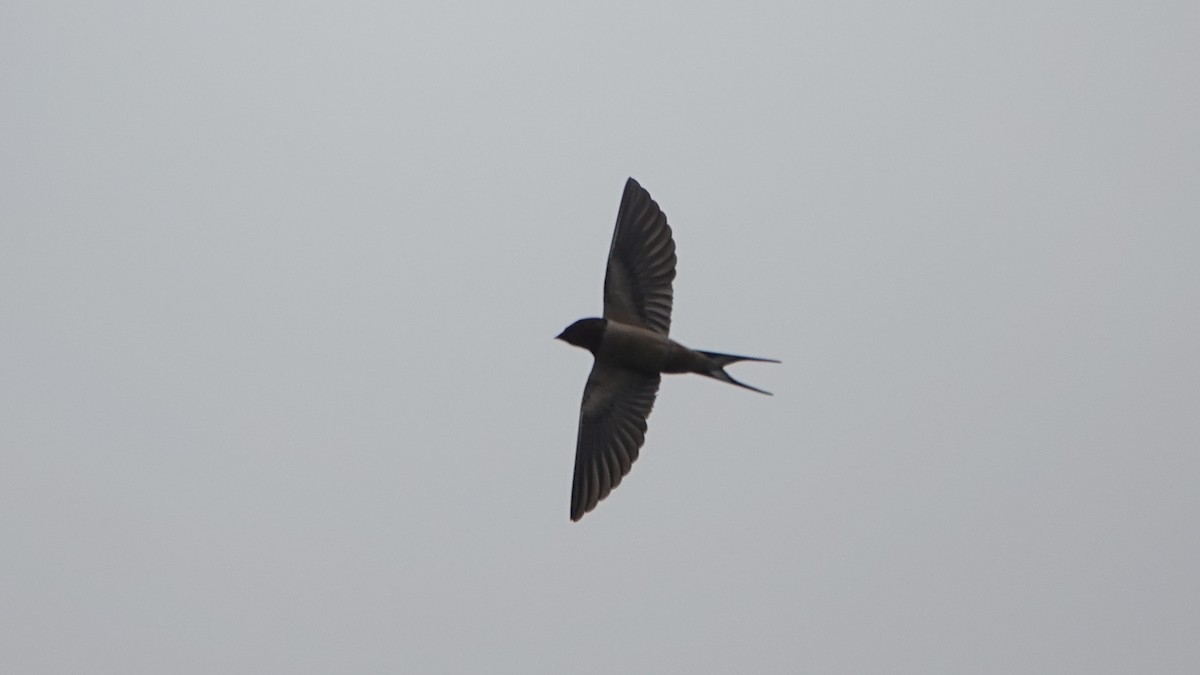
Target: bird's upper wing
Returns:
[[612, 428], [641, 264]]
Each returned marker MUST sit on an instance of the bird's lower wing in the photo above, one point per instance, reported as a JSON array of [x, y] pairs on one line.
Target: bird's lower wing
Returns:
[[612, 428]]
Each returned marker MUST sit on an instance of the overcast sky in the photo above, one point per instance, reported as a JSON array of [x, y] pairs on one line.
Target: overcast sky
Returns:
[[279, 281]]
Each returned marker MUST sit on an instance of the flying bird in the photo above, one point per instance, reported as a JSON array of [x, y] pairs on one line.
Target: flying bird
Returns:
[[631, 350]]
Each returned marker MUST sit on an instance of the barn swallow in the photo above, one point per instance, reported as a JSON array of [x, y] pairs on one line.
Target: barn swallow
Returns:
[[631, 350]]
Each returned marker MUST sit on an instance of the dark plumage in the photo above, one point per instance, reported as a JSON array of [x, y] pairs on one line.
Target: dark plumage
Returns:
[[631, 350]]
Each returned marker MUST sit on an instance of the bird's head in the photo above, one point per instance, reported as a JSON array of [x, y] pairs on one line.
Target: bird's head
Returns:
[[586, 333]]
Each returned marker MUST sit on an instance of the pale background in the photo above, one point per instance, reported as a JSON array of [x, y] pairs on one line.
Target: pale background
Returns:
[[278, 282]]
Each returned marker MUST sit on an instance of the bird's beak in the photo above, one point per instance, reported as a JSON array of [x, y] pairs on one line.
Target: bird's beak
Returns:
[[558, 337]]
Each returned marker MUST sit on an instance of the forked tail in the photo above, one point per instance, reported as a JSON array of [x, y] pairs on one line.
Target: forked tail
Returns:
[[722, 360]]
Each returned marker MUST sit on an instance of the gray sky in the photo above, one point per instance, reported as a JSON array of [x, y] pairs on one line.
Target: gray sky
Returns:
[[278, 283]]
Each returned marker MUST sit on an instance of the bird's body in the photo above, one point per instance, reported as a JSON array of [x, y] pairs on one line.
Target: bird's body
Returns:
[[637, 349], [632, 349], [640, 349]]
